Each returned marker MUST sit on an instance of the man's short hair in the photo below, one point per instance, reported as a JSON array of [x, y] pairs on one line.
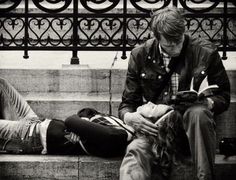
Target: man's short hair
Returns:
[[168, 22]]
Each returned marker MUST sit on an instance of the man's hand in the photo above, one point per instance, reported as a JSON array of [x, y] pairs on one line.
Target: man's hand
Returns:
[[151, 110], [210, 103], [140, 124], [72, 137]]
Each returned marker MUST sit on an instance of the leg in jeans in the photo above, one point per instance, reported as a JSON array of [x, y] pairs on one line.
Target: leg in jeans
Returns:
[[12, 104], [14, 111], [138, 161], [200, 128]]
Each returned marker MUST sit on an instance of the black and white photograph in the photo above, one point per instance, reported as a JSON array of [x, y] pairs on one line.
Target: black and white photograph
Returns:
[[117, 89]]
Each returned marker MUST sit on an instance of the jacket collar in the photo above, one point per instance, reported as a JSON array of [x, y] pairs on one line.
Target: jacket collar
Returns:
[[153, 56]]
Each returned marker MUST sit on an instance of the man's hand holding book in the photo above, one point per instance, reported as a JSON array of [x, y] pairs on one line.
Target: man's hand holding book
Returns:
[[188, 98]]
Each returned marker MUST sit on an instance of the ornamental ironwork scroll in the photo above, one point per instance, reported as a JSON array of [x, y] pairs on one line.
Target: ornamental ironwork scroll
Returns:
[[158, 4], [10, 5], [110, 25], [43, 5], [186, 4]]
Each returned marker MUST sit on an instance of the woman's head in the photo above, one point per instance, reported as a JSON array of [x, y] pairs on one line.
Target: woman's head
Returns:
[[153, 111], [87, 113]]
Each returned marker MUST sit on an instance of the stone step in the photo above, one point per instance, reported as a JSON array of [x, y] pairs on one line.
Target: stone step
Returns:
[[62, 105], [65, 80], [44, 167], [84, 80], [226, 123], [32, 167]]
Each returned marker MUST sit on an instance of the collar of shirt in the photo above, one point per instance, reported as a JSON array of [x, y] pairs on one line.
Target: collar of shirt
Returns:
[[163, 54], [166, 58]]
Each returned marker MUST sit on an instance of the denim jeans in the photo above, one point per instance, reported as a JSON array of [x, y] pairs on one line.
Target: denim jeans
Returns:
[[16, 118]]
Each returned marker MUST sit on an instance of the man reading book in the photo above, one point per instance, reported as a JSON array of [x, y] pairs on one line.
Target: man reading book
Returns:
[[160, 68]]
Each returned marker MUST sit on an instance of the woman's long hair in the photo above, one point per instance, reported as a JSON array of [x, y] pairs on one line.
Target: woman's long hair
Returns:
[[171, 140]]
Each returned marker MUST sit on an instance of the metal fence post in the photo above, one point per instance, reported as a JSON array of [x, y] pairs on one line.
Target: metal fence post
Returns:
[[124, 38], [175, 3], [75, 59], [225, 37], [26, 36]]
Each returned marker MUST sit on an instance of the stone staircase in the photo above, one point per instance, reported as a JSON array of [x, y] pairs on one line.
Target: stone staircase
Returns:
[[58, 93]]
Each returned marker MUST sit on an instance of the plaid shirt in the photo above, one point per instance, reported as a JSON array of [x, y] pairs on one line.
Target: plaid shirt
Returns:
[[112, 121], [174, 83]]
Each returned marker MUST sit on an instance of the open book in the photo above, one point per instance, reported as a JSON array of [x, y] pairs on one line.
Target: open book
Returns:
[[191, 95]]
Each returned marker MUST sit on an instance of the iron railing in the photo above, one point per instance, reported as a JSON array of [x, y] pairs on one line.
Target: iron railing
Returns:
[[106, 25]]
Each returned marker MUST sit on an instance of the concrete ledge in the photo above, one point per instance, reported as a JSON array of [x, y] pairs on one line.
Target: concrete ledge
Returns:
[[63, 80], [94, 168], [31, 167], [62, 105], [226, 123]]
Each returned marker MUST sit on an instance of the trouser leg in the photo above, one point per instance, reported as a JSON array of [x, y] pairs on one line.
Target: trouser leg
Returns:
[[98, 139], [12, 104], [138, 161], [200, 129], [15, 114]]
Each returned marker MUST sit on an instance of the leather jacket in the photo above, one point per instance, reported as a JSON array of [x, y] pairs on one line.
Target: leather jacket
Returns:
[[145, 79]]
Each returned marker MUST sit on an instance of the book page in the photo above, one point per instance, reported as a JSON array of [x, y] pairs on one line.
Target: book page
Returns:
[[214, 86], [205, 85]]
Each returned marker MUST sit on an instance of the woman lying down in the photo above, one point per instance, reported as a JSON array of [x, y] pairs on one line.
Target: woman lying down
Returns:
[[87, 132]]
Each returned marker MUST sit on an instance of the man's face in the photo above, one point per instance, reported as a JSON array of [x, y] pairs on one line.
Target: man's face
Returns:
[[171, 48]]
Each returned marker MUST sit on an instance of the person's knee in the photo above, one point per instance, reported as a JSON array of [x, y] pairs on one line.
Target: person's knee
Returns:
[[138, 160], [198, 115], [71, 119]]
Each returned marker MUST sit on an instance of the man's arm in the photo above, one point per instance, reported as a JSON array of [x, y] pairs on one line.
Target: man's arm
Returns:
[[132, 94], [132, 98], [217, 75]]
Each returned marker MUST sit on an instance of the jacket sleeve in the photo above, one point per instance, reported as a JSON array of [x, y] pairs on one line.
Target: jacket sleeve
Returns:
[[217, 75], [132, 94]]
